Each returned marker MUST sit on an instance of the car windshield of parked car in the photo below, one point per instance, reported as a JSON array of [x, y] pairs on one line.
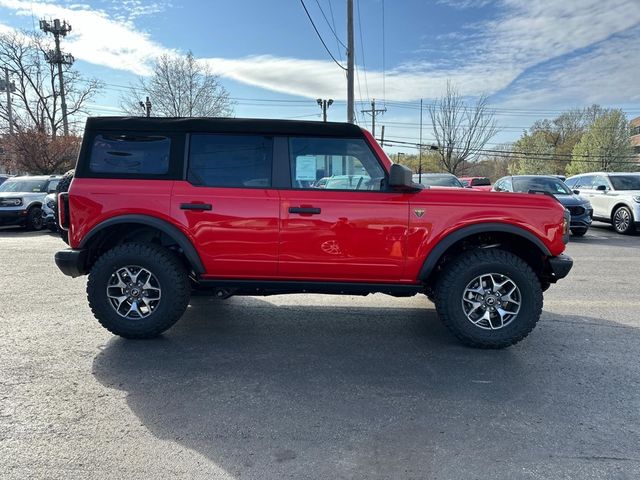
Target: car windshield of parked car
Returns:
[[439, 181], [541, 184], [624, 182], [23, 186]]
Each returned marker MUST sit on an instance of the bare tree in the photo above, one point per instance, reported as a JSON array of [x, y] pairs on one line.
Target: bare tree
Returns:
[[36, 100], [36, 152], [180, 86], [461, 131]]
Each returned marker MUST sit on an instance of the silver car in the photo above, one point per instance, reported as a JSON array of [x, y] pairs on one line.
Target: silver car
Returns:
[[615, 197], [21, 200]]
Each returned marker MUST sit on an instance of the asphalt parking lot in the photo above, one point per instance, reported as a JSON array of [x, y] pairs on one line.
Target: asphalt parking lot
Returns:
[[311, 386]]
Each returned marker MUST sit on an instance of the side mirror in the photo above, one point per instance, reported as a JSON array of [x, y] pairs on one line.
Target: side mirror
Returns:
[[601, 188], [577, 192], [400, 178], [52, 190]]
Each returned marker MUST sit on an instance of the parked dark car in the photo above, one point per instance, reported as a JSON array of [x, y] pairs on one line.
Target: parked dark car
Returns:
[[579, 207]]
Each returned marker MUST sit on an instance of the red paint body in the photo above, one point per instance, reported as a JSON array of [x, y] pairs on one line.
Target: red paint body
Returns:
[[360, 236]]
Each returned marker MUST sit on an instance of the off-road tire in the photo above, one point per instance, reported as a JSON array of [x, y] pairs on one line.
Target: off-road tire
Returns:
[[170, 273], [630, 225], [462, 270], [579, 232], [34, 220]]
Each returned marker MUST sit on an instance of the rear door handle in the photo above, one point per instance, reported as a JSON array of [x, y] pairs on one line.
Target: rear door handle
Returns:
[[196, 206], [305, 210]]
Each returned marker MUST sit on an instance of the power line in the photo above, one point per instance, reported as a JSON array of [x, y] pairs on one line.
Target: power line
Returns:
[[333, 29], [364, 67], [320, 36], [384, 70]]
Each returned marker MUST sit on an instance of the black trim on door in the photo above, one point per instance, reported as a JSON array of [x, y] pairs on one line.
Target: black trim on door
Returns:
[[281, 172], [305, 210], [196, 206]]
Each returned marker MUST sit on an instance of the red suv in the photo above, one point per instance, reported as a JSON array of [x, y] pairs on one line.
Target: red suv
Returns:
[[159, 208]]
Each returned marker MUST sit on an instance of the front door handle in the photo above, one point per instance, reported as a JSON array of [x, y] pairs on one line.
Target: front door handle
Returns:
[[196, 206], [305, 210]]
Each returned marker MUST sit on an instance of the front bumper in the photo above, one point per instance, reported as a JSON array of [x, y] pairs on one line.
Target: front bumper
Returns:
[[71, 262], [582, 221], [12, 216], [560, 266]]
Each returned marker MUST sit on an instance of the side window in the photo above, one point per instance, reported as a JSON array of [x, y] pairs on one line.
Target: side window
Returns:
[[130, 154], [334, 164], [571, 182], [240, 161], [600, 180], [585, 182], [504, 185]]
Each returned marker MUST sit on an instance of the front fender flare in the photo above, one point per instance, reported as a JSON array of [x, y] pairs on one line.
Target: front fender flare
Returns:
[[443, 245]]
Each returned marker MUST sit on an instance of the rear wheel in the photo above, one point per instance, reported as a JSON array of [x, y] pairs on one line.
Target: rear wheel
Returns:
[[489, 298], [138, 290], [34, 219], [623, 220]]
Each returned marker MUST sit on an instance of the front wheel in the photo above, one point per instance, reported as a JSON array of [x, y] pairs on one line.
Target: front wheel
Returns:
[[579, 232], [138, 290], [489, 298], [623, 220], [34, 219]]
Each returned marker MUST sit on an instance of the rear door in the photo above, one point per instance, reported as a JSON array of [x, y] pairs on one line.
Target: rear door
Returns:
[[602, 201], [346, 227], [228, 205]]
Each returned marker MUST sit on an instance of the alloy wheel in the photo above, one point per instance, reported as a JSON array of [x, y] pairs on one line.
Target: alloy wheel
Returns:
[[491, 301], [134, 292]]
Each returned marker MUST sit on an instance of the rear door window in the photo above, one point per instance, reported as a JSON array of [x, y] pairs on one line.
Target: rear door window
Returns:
[[130, 154], [232, 161]]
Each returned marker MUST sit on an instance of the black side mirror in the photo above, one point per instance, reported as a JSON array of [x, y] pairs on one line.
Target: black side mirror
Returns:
[[601, 188], [52, 190], [400, 178], [577, 192]]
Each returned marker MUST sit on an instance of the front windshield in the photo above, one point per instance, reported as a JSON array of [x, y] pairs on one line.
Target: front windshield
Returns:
[[23, 186], [439, 181], [625, 182], [540, 184]]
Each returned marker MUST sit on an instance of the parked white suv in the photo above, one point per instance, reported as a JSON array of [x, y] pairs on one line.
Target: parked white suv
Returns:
[[615, 197], [21, 200]]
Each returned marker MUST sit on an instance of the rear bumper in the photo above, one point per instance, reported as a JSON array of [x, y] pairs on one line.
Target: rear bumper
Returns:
[[71, 262], [560, 266]]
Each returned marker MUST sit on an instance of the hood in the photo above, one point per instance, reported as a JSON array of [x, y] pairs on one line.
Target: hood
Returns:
[[571, 200]]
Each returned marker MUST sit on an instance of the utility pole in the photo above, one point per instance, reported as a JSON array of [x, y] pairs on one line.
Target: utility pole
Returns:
[[350, 58], [56, 57], [324, 104], [420, 151], [146, 106], [8, 87], [382, 137], [373, 112]]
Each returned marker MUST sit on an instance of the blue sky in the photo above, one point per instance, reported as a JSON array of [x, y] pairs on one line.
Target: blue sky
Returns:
[[533, 58]]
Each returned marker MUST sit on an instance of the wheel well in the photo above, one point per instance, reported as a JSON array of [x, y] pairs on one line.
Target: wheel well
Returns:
[[35, 204], [616, 207], [120, 233], [511, 242]]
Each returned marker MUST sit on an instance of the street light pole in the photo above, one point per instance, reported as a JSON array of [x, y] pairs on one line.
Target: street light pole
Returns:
[[350, 60], [324, 105]]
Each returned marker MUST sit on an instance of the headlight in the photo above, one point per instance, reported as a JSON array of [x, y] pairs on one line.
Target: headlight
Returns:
[[11, 202], [636, 198]]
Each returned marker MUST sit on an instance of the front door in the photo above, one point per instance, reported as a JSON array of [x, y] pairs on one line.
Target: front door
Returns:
[[228, 206], [337, 223]]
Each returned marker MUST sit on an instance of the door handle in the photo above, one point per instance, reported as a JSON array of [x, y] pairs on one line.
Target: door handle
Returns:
[[305, 210], [196, 206]]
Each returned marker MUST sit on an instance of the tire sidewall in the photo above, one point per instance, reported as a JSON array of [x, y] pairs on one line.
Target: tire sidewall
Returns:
[[34, 219], [99, 278], [529, 290], [631, 220]]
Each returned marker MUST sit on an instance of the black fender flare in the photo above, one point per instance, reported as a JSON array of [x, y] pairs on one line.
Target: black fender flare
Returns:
[[443, 245], [165, 227]]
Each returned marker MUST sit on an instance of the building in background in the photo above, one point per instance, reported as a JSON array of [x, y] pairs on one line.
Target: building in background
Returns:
[[635, 135]]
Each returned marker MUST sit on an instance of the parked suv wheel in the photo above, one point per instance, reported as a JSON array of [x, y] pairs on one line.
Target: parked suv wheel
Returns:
[[489, 298], [138, 290], [34, 219], [623, 220]]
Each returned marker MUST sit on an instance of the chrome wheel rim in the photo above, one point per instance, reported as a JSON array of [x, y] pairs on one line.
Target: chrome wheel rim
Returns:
[[133, 292], [491, 301], [622, 220]]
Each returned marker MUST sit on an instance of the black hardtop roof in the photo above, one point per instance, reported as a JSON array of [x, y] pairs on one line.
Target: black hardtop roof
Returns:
[[224, 125]]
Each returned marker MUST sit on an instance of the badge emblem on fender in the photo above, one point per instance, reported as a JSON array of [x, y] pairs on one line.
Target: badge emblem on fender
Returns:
[[419, 212]]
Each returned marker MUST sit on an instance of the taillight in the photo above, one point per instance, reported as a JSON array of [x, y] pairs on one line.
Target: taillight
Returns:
[[63, 210]]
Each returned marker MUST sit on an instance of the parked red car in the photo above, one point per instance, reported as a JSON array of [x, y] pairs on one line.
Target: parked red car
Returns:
[[161, 207], [477, 183]]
